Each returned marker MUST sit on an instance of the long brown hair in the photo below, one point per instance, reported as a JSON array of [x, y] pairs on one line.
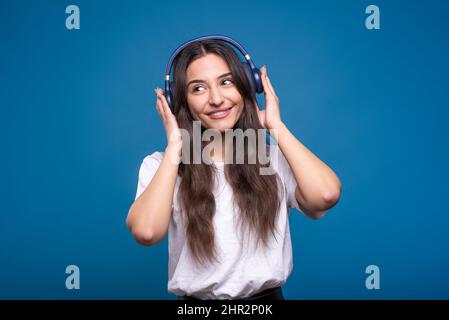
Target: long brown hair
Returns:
[[256, 196]]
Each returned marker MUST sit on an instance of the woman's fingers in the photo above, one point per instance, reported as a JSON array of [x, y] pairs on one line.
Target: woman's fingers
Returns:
[[268, 88], [271, 88], [167, 111], [159, 109], [168, 118], [164, 101]]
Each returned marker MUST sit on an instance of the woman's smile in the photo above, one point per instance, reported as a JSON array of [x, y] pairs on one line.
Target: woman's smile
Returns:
[[217, 115]]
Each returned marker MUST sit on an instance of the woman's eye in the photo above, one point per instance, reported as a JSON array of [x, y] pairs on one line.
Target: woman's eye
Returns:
[[195, 89], [225, 82]]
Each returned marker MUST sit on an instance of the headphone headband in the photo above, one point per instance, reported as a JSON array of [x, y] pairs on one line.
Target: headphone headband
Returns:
[[210, 37]]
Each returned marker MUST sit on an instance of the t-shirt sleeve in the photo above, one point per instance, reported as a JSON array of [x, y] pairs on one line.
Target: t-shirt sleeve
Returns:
[[147, 171], [286, 174]]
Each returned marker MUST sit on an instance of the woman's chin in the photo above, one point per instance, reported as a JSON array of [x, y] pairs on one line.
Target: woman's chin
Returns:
[[222, 128]]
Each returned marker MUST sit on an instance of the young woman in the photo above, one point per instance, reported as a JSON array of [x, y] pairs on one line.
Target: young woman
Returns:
[[228, 227]]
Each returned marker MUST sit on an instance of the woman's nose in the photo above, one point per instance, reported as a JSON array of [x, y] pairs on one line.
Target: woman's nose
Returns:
[[215, 98]]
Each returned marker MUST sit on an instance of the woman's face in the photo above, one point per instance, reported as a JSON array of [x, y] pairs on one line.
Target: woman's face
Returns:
[[212, 95]]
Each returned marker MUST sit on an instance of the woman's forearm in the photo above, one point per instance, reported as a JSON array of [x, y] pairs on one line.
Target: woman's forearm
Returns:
[[318, 186]]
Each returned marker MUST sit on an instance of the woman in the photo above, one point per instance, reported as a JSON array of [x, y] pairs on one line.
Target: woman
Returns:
[[228, 228]]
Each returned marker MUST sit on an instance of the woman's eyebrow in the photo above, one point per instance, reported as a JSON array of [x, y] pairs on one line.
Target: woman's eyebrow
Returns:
[[201, 81]]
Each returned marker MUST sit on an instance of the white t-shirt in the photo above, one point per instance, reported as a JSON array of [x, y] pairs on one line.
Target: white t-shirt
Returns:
[[241, 273]]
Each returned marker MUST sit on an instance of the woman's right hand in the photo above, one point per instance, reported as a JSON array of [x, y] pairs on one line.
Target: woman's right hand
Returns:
[[174, 137]]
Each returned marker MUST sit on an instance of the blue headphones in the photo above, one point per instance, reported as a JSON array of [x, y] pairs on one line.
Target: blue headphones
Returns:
[[252, 72]]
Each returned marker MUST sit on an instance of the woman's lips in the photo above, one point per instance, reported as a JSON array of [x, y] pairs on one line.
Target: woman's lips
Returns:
[[220, 115]]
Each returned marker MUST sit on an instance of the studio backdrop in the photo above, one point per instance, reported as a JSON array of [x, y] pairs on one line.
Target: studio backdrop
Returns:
[[363, 84]]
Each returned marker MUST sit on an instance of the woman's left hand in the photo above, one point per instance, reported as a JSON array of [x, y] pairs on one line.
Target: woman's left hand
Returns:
[[270, 118]]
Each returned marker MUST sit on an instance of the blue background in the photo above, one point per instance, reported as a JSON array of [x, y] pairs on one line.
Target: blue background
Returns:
[[78, 117]]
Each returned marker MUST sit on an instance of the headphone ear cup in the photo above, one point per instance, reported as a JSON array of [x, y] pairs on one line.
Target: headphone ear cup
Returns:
[[249, 75], [254, 78], [258, 80], [169, 97]]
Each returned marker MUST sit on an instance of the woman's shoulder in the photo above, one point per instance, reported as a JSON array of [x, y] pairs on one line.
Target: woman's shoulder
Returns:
[[147, 170], [156, 155], [152, 160]]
